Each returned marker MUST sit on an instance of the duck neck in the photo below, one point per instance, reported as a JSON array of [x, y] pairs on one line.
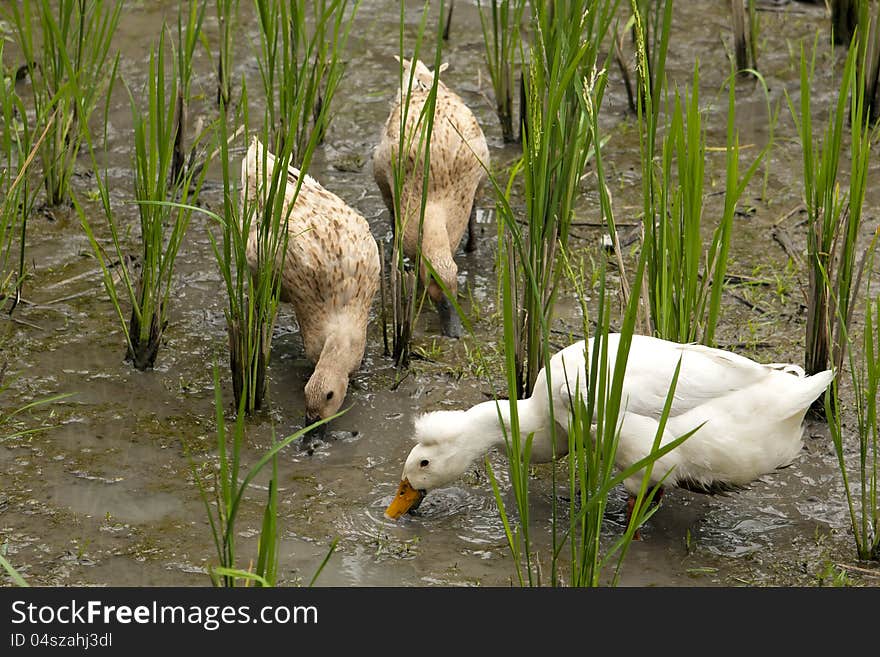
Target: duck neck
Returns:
[[490, 422], [437, 250], [342, 352], [435, 236]]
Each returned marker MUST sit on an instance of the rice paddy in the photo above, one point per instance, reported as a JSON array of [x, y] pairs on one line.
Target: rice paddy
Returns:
[[161, 477]]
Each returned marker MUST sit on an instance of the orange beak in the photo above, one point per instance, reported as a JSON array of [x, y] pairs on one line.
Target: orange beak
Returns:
[[407, 498]]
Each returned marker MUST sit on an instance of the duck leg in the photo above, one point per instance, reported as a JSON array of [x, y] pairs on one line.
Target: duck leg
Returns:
[[630, 507], [471, 244]]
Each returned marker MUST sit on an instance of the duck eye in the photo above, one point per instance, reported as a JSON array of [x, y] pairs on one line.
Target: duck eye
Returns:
[[329, 395], [424, 463]]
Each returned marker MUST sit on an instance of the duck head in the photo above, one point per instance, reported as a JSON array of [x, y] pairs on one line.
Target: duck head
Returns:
[[324, 393], [423, 77], [447, 443]]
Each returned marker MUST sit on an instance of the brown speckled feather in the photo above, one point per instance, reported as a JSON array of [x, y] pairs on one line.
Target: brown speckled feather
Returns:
[[457, 147], [331, 269]]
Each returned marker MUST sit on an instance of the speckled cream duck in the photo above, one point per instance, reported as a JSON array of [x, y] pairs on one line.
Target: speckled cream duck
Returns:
[[458, 147], [330, 275]]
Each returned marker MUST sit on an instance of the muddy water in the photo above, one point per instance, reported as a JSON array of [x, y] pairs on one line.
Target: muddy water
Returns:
[[105, 494]]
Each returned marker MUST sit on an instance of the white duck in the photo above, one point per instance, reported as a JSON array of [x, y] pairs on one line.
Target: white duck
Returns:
[[459, 153], [330, 275], [751, 416]]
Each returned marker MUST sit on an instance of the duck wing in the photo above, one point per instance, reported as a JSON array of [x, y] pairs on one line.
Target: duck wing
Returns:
[[706, 374]]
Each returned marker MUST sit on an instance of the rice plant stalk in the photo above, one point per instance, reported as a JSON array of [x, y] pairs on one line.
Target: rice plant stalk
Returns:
[[864, 374], [754, 32], [501, 38], [844, 20], [18, 199], [412, 138], [262, 213], [162, 224], [869, 40], [745, 26], [596, 404], [593, 432], [70, 68], [301, 67], [231, 482], [593, 437], [564, 60], [226, 11], [834, 216], [188, 35], [252, 297], [685, 280], [652, 23]]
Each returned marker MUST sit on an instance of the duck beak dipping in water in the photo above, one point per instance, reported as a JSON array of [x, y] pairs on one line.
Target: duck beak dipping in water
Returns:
[[407, 499], [449, 319]]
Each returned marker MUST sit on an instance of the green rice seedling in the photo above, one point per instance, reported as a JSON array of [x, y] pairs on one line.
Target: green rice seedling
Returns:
[[301, 67], [833, 217], [406, 302], [563, 63], [592, 425], [18, 199], [864, 374], [593, 434], [163, 223], [13, 574], [254, 297], [66, 46], [226, 11], [685, 281], [188, 34], [448, 20], [501, 37], [230, 485], [18, 196], [652, 23]]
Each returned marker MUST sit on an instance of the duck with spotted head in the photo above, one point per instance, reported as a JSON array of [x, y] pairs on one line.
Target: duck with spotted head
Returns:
[[458, 154], [330, 275]]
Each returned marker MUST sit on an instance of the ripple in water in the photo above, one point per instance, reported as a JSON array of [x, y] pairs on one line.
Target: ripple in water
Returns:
[[467, 513], [735, 537]]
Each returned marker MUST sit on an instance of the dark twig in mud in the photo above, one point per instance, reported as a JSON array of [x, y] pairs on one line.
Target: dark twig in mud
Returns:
[[856, 569], [800, 207], [781, 237], [738, 279], [733, 346], [399, 381], [747, 303], [21, 321]]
